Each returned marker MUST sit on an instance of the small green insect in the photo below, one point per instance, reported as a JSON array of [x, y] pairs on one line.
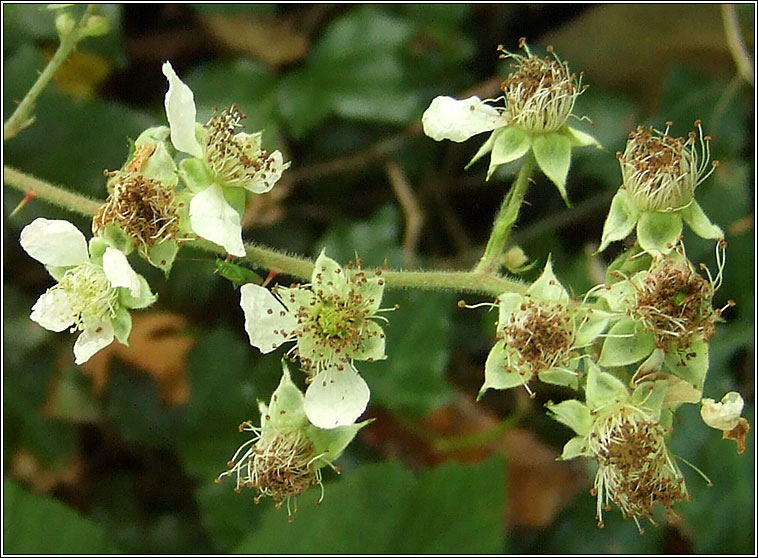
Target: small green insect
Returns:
[[236, 273]]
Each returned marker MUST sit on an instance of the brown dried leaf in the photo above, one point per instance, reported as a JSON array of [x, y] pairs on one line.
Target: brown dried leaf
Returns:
[[25, 467], [82, 74], [158, 348], [738, 434], [273, 40]]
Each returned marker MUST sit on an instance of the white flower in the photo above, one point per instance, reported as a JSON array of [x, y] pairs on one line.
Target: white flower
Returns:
[[332, 324], [724, 415], [229, 161], [95, 286]]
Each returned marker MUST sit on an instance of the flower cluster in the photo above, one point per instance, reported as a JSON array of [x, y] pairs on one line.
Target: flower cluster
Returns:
[[333, 323]]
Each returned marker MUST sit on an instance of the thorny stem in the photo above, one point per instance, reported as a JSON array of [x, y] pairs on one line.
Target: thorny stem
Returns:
[[736, 45], [505, 219], [294, 266], [22, 117]]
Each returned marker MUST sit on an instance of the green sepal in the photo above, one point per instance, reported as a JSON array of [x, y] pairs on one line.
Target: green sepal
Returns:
[[329, 444], [691, 364], [626, 343], [145, 299], [194, 174], [160, 166], [579, 138], [603, 388], [699, 222], [485, 148], [510, 144], [650, 396], [286, 409], [122, 325], [659, 231], [162, 255], [115, 236], [575, 447], [508, 305], [592, 325], [553, 154], [573, 414], [559, 377], [57, 272], [373, 347], [97, 247], [628, 263], [495, 374], [547, 287], [622, 217]]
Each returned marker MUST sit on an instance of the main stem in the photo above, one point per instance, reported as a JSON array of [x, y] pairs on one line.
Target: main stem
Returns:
[[506, 217], [22, 117], [294, 266]]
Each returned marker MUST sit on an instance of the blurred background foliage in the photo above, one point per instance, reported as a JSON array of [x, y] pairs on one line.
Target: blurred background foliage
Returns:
[[120, 455]]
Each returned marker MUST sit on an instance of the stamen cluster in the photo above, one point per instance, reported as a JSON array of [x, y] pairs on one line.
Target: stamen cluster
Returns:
[[89, 295], [540, 94], [144, 208], [543, 335], [674, 302], [235, 161], [660, 172], [635, 471]]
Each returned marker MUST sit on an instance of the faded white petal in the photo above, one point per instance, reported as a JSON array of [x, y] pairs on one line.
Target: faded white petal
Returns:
[[268, 176], [119, 272], [724, 415], [52, 310], [214, 219], [92, 339], [267, 321], [336, 397], [181, 113], [54, 242], [448, 118]]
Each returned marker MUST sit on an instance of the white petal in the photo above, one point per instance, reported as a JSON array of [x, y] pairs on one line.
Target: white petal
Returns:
[[54, 242], [336, 397], [724, 415], [213, 218], [91, 340], [448, 118], [52, 310], [266, 178], [119, 272], [267, 321], [180, 111]]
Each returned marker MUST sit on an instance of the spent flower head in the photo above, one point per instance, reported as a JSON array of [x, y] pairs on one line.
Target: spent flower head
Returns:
[[541, 334], [539, 97], [660, 174], [223, 165], [286, 452], [333, 322], [96, 286], [624, 433]]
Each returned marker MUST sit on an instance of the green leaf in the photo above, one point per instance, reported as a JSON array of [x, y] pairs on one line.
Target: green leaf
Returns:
[[658, 231], [64, 531], [510, 143], [698, 221], [626, 343], [553, 154], [621, 219], [412, 379], [403, 511]]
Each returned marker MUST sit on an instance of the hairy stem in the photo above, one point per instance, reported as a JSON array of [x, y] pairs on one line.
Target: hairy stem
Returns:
[[506, 217], [264, 257], [22, 117]]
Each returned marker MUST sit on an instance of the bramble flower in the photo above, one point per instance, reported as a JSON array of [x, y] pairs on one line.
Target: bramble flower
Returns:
[[286, 453], [540, 335], [668, 319], [539, 98], [223, 165], [624, 434], [660, 174], [332, 322], [95, 289]]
